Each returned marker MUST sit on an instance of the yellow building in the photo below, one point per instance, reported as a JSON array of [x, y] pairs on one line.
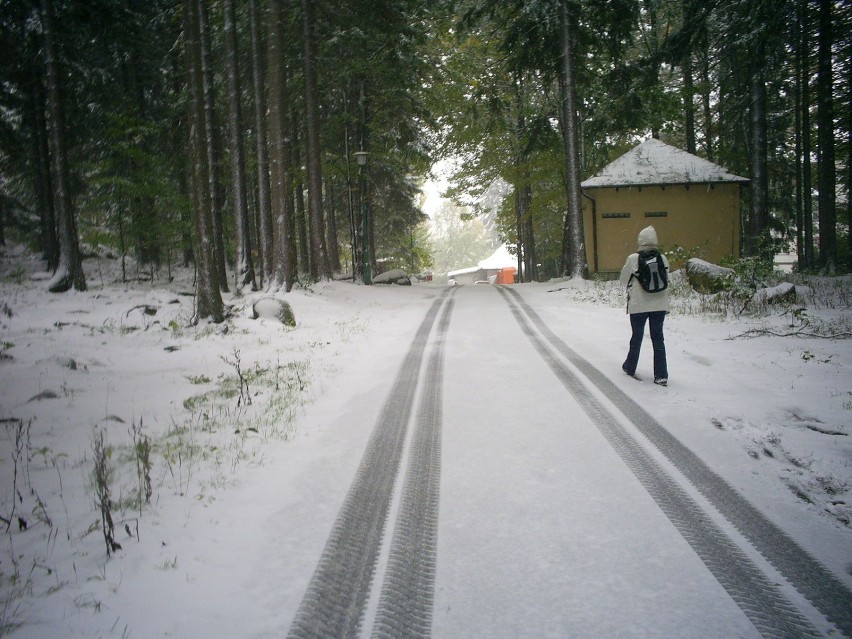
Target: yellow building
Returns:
[[691, 202]]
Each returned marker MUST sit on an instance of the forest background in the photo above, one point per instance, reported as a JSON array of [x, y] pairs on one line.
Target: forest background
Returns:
[[228, 134]]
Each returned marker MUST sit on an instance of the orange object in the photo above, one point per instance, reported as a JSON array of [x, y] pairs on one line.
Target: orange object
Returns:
[[506, 275]]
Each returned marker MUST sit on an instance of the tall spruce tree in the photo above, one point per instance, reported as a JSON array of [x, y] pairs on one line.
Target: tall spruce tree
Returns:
[[320, 264], [69, 271], [207, 298], [827, 169], [213, 146], [264, 209], [279, 151], [245, 276], [573, 253]]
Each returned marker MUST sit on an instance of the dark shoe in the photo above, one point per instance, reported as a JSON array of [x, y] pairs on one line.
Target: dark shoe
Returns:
[[661, 381], [627, 372]]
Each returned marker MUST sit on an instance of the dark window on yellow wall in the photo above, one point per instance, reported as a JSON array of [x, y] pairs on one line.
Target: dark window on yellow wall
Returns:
[[614, 216], [656, 213]]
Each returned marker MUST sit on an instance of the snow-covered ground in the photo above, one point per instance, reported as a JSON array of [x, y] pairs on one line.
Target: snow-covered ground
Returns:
[[231, 463]]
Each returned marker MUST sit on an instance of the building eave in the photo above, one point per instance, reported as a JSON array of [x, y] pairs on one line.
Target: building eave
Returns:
[[624, 185]]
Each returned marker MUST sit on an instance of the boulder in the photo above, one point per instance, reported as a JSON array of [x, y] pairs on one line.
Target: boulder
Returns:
[[273, 308], [706, 278], [394, 276], [67, 362]]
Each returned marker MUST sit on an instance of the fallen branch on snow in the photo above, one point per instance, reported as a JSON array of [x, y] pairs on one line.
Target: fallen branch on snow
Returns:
[[824, 431], [762, 332]]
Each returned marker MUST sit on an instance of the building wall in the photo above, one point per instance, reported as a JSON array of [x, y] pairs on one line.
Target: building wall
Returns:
[[696, 215]]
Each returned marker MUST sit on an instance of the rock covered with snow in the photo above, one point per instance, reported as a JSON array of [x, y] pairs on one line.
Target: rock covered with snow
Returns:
[[274, 308], [66, 362], [394, 276], [705, 277]]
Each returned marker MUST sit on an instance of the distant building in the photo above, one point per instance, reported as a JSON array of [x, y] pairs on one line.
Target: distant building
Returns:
[[690, 201], [499, 268]]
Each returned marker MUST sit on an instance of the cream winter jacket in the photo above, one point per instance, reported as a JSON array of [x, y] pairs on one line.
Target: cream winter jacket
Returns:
[[638, 299]]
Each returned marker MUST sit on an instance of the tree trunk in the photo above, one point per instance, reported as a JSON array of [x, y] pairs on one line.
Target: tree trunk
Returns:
[[211, 131], [573, 253], [354, 213], [758, 207], [264, 210], [41, 162], [187, 218], [706, 104], [689, 103], [282, 198], [798, 61], [301, 230], [518, 188], [69, 271], [208, 298], [331, 229], [302, 220], [807, 149], [523, 191], [825, 143], [519, 229], [147, 239], [319, 262], [526, 240], [530, 254], [849, 167], [367, 258], [244, 265]]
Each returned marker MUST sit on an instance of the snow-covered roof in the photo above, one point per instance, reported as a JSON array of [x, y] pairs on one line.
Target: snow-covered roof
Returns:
[[501, 258], [464, 271], [654, 162]]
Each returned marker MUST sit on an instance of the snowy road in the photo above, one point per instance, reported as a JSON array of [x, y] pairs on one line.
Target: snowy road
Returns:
[[553, 510]]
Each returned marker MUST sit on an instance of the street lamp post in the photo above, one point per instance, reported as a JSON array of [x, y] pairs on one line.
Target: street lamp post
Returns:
[[361, 158], [353, 231]]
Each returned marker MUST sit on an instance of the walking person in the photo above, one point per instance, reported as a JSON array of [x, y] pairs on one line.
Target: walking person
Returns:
[[645, 274]]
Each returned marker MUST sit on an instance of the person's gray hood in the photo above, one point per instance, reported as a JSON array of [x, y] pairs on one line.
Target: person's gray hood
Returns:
[[647, 238]]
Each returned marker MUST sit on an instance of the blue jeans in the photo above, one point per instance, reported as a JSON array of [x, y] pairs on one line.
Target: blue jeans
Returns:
[[655, 323]]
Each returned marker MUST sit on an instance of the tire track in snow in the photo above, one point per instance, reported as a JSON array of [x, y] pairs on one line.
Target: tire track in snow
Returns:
[[757, 596], [337, 593], [405, 605]]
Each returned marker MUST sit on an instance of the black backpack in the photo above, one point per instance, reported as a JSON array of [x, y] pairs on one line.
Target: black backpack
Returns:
[[652, 274]]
